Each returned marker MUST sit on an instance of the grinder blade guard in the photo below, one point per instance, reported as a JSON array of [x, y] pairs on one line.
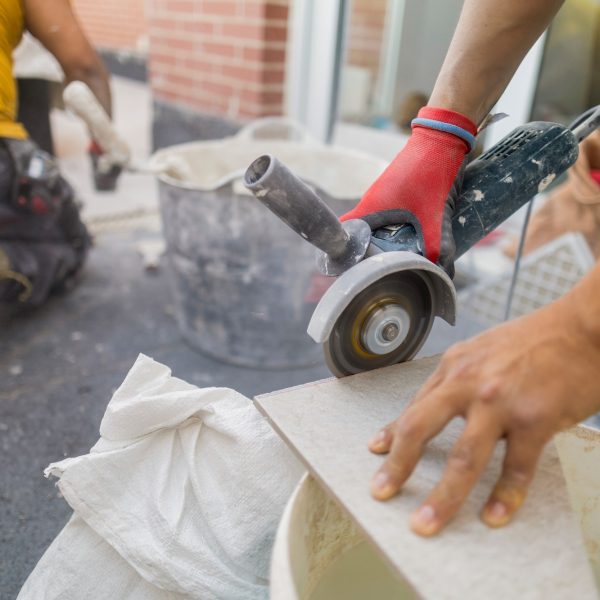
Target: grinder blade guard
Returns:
[[381, 308]]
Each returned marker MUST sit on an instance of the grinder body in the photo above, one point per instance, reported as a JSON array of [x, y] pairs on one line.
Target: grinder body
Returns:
[[497, 184], [381, 308]]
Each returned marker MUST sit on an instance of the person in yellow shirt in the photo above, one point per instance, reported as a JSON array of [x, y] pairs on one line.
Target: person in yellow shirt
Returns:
[[43, 242]]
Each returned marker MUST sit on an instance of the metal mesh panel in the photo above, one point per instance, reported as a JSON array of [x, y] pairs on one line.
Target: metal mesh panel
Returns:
[[545, 275]]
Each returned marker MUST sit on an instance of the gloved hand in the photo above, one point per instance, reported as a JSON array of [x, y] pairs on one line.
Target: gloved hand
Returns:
[[421, 184], [105, 178]]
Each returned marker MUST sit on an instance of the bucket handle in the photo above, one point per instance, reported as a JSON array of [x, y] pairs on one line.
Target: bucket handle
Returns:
[[250, 131]]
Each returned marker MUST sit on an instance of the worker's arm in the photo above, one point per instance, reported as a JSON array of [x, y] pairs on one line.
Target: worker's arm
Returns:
[[55, 25], [523, 381], [490, 41]]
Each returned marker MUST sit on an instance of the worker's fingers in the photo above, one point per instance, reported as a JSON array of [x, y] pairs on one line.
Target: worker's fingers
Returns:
[[407, 437], [466, 462], [522, 454], [431, 383], [381, 442]]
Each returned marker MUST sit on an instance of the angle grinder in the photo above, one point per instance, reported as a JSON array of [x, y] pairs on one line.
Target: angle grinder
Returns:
[[381, 307]]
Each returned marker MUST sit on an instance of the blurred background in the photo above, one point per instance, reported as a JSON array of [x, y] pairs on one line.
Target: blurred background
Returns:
[[352, 74], [347, 69]]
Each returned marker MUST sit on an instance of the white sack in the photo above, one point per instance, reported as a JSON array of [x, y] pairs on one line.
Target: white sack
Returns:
[[180, 498]]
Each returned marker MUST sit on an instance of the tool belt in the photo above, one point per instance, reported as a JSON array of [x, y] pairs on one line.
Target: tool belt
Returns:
[[43, 242]]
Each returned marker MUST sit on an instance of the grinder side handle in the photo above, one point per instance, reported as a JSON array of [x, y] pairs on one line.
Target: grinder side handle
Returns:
[[299, 207]]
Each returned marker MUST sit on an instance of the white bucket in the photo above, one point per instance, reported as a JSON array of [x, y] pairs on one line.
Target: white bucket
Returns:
[[319, 554]]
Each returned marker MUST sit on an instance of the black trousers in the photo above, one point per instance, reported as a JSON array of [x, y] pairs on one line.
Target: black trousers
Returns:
[[34, 111]]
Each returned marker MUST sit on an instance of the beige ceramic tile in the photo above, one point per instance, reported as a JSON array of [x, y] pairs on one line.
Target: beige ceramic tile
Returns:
[[540, 555]]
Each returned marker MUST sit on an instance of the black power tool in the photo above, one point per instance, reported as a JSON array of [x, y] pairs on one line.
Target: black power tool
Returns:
[[381, 308]]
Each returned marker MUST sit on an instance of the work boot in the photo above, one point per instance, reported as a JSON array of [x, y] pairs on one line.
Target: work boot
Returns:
[[573, 206]]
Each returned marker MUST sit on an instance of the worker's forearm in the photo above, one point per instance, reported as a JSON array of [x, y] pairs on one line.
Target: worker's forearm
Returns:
[[490, 41], [55, 25]]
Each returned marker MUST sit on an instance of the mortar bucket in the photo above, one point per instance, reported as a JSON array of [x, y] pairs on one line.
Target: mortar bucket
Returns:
[[245, 285]]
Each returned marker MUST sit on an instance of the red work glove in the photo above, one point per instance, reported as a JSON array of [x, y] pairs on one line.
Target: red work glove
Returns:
[[421, 184]]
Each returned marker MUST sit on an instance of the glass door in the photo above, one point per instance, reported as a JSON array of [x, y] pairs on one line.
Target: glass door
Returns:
[[361, 69], [393, 52]]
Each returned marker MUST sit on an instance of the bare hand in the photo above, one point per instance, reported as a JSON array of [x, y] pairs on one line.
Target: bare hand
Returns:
[[523, 381]]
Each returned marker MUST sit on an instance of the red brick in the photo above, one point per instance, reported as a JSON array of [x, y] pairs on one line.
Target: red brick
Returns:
[[248, 31], [274, 11], [200, 65], [254, 9], [186, 45], [274, 76], [274, 55], [221, 89], [224, 57], [251, 96], [244, 74], [98, 20], [163, 58], [211, 49], [272, 97], [220, 7], [261, 97], [276, 34], [254, 54], [179, 6], [182, 80], [198, 27]]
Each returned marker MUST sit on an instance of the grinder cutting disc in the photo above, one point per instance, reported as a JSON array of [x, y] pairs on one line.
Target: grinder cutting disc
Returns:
[[385, 324]]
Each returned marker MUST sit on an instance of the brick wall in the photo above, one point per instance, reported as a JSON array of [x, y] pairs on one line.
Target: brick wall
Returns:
[[222, 57], [114, 24], [365, 34]]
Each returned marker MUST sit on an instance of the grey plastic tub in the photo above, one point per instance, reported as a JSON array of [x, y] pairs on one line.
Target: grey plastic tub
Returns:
[[245, 285]]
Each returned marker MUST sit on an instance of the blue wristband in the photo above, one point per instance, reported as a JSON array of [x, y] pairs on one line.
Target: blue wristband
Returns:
[[463, 134]]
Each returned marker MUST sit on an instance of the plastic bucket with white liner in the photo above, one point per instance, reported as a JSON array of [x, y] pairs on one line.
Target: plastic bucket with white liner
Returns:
[[319, 553], [246, 285]]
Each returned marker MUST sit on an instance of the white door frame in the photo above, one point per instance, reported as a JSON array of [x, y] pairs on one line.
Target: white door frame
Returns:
[[313, 63]]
